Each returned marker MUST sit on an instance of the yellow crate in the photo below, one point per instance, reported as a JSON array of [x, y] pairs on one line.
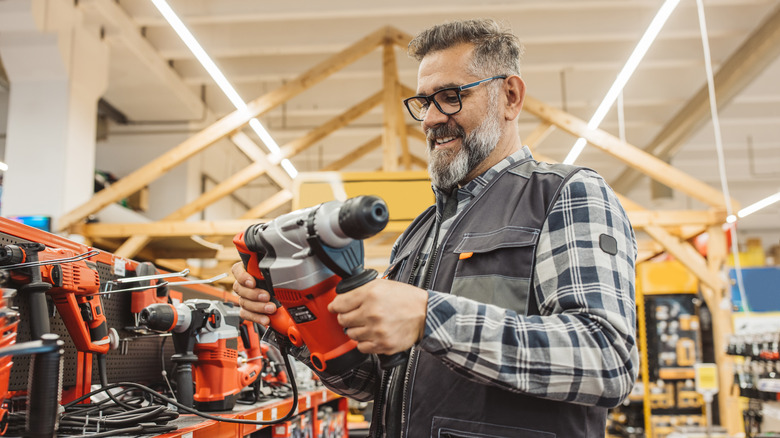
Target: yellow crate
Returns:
[[667, 277]]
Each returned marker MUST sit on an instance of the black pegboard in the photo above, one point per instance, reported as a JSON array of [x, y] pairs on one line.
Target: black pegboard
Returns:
[[137, 360]]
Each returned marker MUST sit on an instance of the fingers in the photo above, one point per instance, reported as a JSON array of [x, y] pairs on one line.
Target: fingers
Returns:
[[347, 302], [242, 277], [383, 316], [261, 319], [255, 303]]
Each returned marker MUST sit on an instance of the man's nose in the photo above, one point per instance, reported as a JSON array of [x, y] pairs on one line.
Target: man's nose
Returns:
[[433, 117]]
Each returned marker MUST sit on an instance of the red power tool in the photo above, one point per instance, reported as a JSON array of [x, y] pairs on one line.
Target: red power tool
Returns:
[[72, 285], [9, 320], [206, 341], [303, 259]]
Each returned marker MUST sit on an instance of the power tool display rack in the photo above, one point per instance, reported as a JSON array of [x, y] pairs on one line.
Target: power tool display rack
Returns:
[[190, 426], [320, 413]]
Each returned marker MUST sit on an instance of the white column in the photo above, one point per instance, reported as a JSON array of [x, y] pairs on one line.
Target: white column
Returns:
[[57, 72]]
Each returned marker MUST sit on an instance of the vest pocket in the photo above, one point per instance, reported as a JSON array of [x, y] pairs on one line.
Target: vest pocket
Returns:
[[443, 427], [495, 267], [396, 267]]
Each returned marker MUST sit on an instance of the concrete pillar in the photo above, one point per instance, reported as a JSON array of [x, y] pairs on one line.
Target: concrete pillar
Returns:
[[57, 72]]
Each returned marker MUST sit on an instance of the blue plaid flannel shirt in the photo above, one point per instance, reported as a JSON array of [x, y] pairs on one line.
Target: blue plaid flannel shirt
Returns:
[[582, 347]]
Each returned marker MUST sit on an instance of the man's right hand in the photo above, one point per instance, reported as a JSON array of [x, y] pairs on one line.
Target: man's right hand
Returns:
[[254, 302]]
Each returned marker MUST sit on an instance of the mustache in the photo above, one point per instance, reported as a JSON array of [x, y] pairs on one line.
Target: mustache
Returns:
[[447, 130]]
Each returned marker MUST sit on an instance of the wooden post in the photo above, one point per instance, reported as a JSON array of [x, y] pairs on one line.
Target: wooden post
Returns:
[[718, 301], [391, 122]]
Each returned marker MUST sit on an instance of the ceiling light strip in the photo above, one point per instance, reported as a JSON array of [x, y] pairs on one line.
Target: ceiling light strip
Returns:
[[752, 208], [218, 77], [625, 74]]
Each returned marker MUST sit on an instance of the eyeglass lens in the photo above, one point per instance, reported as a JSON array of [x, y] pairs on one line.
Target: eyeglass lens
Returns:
[[447, 101]]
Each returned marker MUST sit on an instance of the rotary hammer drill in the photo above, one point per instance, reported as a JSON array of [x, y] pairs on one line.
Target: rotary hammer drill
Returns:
[[306, 257]]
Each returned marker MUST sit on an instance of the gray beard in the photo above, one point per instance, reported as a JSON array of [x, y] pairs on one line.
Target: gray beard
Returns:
[[447, 167]]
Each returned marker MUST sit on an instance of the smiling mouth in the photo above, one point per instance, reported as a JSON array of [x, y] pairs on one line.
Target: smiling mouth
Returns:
[[442, 141]]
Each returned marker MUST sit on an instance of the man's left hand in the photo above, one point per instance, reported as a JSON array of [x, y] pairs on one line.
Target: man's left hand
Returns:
[[383, 316]]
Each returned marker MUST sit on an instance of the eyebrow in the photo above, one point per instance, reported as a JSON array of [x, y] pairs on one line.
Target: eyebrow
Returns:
[[448, 85]]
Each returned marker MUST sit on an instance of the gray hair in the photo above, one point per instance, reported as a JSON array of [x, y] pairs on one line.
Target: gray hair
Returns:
[[497, 50]]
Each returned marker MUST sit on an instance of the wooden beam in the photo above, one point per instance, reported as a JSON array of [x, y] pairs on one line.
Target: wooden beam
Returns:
[[414, 131], [667, 218], [257, 155], [235, 181], [418, 161], [261, 166], [298, 145], [686, 254], [629, 154], [391, 123], [354, 155], [538, 135], [270, 204], [167, 228], [223, 127], [256, 169], [757, 53], [664, 240], [397, 37]]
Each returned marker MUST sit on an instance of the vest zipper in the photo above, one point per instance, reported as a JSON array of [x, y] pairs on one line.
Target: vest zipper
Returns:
[[405, 391], [432, 261], [409, 363]]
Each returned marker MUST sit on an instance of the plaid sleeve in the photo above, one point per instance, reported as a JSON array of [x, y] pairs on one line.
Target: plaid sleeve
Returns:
[[582, 346]]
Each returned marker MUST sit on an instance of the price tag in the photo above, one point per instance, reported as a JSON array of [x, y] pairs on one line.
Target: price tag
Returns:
[[258, 417], [706, 378], [273, 414], [308, 401], [187, 435], [119, 267]]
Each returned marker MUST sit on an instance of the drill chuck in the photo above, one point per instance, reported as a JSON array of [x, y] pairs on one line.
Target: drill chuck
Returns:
[[363, 216], [164, 318]]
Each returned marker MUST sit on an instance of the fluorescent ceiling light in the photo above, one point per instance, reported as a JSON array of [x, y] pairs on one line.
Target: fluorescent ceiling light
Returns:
[[752, 208], [622, 78], [216, 74]]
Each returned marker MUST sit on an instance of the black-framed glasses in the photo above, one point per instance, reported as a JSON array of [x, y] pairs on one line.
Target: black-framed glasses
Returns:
[[447, 100]]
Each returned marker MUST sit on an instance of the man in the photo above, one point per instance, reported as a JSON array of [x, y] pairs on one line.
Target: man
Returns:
[[513, 294]]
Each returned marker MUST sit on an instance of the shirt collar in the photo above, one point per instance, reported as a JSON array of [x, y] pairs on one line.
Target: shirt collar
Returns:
[[476, 185]]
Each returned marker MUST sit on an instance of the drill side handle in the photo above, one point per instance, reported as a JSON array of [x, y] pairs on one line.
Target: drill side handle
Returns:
[[35, 291], [363, 277]]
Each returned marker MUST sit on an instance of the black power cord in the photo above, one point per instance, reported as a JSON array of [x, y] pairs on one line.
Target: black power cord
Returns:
[[134, 415]]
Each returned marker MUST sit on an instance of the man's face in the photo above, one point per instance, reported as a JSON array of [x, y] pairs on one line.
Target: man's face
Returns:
[[457, 144]]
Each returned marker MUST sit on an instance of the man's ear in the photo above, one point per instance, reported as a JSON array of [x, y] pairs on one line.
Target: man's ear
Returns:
[[514, 90]]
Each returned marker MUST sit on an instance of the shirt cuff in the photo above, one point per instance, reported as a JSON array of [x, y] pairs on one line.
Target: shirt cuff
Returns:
[[440, 314]]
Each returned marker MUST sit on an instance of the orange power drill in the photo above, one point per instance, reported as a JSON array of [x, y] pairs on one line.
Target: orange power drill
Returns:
[[306, 257], [206, 337], [73, 287]]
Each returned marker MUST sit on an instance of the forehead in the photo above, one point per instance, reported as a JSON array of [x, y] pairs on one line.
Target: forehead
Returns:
[[445, 68]]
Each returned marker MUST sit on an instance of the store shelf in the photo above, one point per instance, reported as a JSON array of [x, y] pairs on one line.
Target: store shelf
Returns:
[[191, 426]]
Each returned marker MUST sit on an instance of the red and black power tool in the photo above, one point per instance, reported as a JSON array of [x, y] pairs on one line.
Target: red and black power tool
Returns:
[[306, 257], [71, 283], [9, 320], [206, 337]]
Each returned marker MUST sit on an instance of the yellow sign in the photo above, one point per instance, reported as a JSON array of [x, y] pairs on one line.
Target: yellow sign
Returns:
[[706, 377]]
